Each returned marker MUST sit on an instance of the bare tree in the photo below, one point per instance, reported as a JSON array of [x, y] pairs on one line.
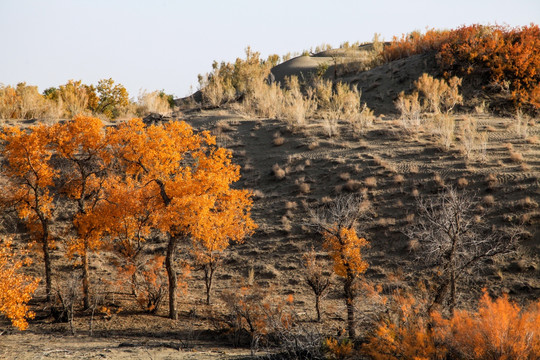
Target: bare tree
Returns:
[[338, 222], [453, 238], [316, 278]]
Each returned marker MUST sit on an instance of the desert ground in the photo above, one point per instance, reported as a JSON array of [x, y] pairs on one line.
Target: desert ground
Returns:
[[390, 166]]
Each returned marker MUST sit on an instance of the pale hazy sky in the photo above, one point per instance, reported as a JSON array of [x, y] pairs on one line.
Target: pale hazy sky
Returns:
[[164, 44]]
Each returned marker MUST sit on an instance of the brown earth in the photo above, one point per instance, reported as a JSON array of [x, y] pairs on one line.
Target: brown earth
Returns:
[[309, 156]]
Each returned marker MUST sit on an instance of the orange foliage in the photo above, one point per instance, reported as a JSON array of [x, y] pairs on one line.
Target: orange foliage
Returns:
[[16, 289], [499, 330], [345, 248], [189, 179], [27, 155], [415, 43], [404, 333], [337, 349], [510, 56]]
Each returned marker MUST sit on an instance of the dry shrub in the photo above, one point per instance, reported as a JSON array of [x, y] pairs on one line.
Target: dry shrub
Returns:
[[153, 102], [344, 176], [330, 126], [279, 173], [25, 102], [521, 125], [439, 95], [216, 89], [344, 103], [362, 120], [266, 318], [444, 126], [410, 110], [296, 107], [473, 143]]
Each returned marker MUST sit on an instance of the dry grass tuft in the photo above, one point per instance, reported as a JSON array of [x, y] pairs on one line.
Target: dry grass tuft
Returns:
[[278, 141], [462, 183], [399, 179], [370, 182], [524, 167], [527, 203], [304, 188], [437, 178], [291, 205], [313, 145], [279, 173], [488, 200], [344, 176], [516, 157], [353, 185]]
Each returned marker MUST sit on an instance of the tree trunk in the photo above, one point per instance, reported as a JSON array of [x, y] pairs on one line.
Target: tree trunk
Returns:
[[318, 307], [171, 273], [349, 299], [452, 291], [208, 275], [47, 261], [86, 280]]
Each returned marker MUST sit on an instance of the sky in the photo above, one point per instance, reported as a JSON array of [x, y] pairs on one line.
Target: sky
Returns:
[[164, 44]]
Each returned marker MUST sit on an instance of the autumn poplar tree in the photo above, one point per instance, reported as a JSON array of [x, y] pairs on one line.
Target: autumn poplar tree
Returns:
[[81, 143], [226, 219], [190, 178], [26, 164], [337, 223]]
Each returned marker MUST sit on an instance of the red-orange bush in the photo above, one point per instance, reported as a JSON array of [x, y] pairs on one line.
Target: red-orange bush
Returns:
[[509, 56], [499, 330]]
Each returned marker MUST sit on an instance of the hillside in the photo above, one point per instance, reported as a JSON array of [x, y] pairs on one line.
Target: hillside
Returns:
[[298, 152]]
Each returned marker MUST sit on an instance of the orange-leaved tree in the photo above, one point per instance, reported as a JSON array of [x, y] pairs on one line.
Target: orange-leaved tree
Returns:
[[129, 217], [30, 175], [188, 177], [337, 223], [81, 144], [16, 289], [226, 218]]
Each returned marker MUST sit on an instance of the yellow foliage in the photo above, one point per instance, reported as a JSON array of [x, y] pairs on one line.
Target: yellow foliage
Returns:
[[345, 248]]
